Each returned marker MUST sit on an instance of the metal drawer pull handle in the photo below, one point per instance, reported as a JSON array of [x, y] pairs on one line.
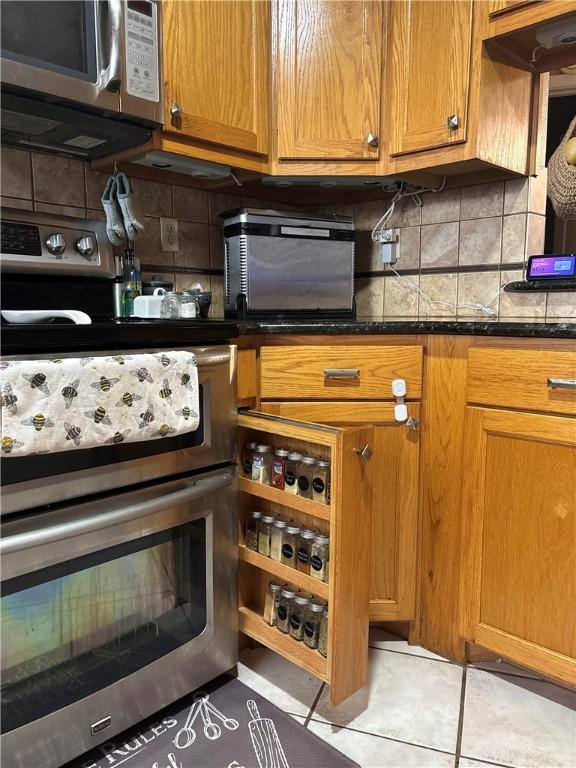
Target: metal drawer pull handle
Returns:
[[365, 453], [562, 383], [342, 373]]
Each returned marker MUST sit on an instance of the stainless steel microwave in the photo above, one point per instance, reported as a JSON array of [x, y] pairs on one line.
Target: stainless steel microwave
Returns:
[[69, 66]]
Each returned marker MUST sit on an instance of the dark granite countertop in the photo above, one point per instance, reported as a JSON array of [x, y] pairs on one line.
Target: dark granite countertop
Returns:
[[452, 327]]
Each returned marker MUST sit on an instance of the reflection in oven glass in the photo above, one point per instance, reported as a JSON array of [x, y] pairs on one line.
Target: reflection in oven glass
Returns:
[[71, 629]]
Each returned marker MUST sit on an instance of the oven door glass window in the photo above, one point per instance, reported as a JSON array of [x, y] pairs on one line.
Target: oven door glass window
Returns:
[[72, 629]]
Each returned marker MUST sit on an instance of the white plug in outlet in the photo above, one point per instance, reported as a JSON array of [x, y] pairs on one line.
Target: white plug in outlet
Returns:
[[169, 234]]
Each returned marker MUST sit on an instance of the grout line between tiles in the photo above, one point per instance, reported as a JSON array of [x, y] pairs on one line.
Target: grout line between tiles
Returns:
[[381, 736], [413, 655], [487, 762], [460, 719], [314, 704]]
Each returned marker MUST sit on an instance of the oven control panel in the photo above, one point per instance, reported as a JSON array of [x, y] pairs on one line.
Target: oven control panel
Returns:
[[41, 242]]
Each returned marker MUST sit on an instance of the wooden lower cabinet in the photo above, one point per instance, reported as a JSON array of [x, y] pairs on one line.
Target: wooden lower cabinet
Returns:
[[518, 586], [394, 502], [346, 519]]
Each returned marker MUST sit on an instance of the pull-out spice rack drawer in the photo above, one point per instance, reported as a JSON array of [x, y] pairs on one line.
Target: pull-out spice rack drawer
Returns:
[[345, 519]]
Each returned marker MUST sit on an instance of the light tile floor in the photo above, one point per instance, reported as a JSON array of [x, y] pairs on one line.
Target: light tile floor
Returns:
[[421, 711]]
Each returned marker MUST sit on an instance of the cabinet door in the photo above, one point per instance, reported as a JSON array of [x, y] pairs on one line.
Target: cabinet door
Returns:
[[519, 538], [216, 62], [394, 503], [328, 78], [430, 63]]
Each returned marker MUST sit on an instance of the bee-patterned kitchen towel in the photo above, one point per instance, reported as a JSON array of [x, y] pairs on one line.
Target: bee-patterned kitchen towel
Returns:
[[85, 402]]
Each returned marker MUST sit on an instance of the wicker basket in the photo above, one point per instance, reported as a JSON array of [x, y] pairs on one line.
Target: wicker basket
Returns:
[[562, 180]]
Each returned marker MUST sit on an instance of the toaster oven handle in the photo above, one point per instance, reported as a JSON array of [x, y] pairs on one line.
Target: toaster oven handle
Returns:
[[341, 373], [75, 526], [110, 75]]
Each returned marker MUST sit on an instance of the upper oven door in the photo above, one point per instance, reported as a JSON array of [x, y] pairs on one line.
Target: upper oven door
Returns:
[[30, 482]]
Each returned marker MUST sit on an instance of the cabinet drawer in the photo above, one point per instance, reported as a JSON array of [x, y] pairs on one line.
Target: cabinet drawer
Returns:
[[531, 380], [339, 372]]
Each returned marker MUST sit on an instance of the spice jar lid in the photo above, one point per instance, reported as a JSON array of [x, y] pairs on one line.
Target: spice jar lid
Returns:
[[251, 444], [293, 529], [323, 464], [318, 606], [256, 513], [295, 456], [281, 452], [308, 460], [320, 538], [289, 592], [279, 523], [275, 587], [268, 519], [263, 448], [301, 600], [306, 533]]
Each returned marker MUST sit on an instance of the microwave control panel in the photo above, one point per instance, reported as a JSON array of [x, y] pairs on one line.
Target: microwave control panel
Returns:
[[142, 75]]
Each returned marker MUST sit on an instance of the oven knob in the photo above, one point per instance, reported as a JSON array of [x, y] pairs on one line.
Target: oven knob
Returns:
[[56, 244], [85, 246]]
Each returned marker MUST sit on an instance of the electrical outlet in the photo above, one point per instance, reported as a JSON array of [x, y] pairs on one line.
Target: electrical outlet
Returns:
[[169, 234]]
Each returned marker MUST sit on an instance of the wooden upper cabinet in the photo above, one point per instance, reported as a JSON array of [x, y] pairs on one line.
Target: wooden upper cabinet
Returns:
[[430, 71], [216, 68], [328, 78]]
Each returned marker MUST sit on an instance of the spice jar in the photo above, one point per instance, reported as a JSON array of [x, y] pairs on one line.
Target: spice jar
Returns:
[[261, 463], [264, 531], [252, 524], [291, 478], [271, 602], [312, 619], [247, 456], [289, 545], [170, 306], [188, 306], [276, 535], [321, 482], [297, 613], [279, 468], [305, 472], [319, 557], [323, 634], [287, 594], [303, 550]]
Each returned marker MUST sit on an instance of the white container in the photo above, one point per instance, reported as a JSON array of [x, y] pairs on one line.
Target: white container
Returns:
[[148, 306]]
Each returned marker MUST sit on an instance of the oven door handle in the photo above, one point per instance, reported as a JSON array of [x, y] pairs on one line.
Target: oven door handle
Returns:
[[98, 521]]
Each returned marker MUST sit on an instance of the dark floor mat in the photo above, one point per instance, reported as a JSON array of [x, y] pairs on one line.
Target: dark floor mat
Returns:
[[223, 725]]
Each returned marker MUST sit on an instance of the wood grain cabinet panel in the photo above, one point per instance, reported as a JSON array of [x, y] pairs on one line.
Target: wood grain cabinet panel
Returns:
[[328, 78], [431, 45], [519, 538], [216, 67]]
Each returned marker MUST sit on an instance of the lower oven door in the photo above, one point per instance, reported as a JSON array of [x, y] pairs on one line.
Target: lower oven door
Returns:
[[112, 609]]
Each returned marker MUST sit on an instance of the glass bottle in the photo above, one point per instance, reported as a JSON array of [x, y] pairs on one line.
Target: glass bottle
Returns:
[[264, 531], [305, 472], [287, 594], [319, 557], [271, 602], [276, 535], [279, 468], [304, 546], [289, 545], [247, 455], [252, 524], [312, 619], [321, 482], [323, 634], [261, 464], [130, 283], [297, 613], [291, 477]]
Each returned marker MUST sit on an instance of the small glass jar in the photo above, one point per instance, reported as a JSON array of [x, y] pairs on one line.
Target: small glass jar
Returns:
[[252, 525], [290, 544], [170, 306], [188, 306], [297, 614], [321, 482], [312, 619], [247, 456], [287, 594], [276, 536], [319, 557], [279, 468], [271, 602], [323, 634], [291, 477], [305, 472], [261, 464], [303, 548], [264, 531]]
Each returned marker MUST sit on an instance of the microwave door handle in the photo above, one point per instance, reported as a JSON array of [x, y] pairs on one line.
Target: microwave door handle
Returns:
[[98, 521], [110, 79]]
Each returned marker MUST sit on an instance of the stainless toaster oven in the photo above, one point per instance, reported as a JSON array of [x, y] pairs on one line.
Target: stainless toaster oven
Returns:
[[288, 264]]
